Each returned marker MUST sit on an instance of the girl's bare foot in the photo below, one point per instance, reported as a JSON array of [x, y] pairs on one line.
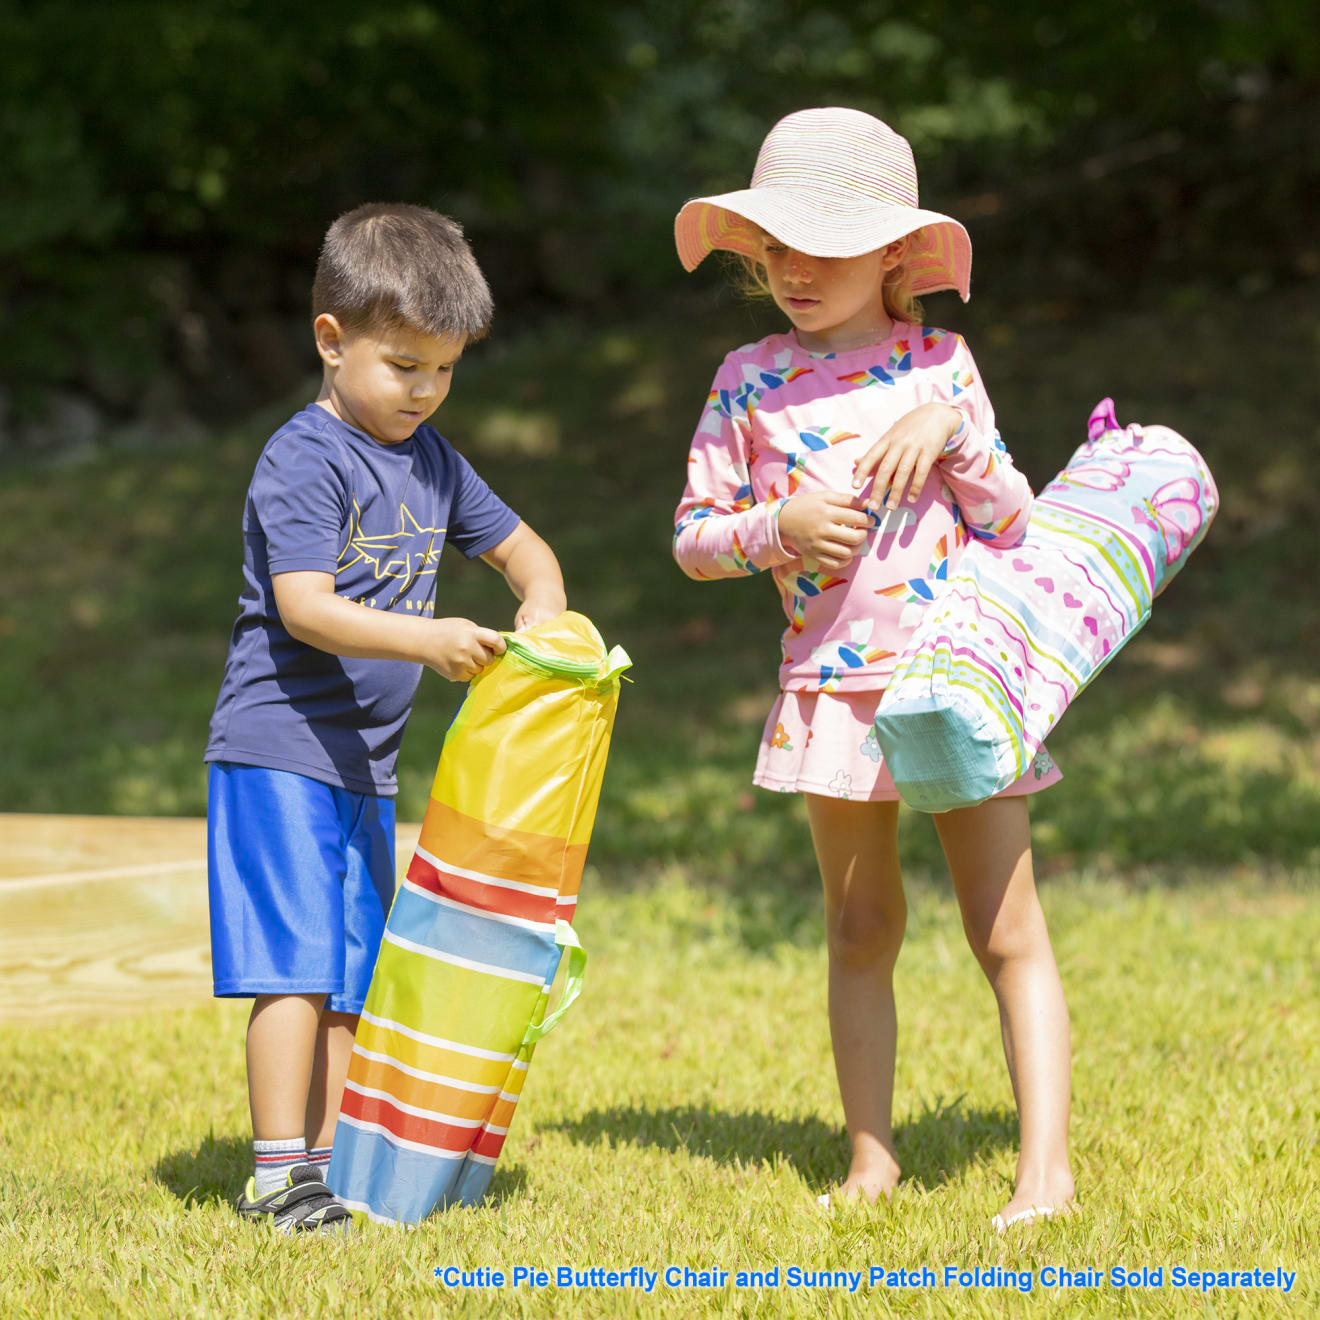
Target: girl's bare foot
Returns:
[[871, 1176], [1037, 1198]]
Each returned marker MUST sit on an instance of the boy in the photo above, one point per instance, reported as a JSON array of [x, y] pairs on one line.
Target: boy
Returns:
[[349, 506]]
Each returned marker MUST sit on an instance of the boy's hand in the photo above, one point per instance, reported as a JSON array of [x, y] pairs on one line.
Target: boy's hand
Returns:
[[906, 453], [460, 649], [532, 572], [537, 609], [825, 527]]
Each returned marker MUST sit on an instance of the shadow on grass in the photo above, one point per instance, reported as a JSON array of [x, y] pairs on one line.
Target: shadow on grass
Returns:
[[932, 1147], [946, 1136], [218, 1170], [508, 1184]]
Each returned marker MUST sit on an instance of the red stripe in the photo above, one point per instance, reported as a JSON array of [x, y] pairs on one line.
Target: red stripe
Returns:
[[489, 1144], [424, 1131], [477, 894]]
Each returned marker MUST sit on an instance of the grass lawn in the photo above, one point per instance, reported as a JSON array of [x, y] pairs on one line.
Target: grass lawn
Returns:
[[686, 1114]]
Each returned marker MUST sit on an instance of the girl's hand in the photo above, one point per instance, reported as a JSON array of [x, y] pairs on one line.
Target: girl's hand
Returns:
[[826, 527], [903, 457]]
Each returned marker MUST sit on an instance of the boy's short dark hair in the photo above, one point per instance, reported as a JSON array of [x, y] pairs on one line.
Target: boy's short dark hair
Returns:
[[387, 266]]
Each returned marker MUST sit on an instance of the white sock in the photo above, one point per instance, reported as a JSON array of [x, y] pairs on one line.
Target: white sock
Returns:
[[274, 1159]]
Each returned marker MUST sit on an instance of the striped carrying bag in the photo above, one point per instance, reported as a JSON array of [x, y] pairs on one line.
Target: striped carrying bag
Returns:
[[1016, 634], [478, 929]]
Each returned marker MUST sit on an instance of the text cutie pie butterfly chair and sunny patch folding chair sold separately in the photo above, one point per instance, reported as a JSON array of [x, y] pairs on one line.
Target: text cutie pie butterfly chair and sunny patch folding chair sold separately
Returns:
[[1015, 634], [478, 928]]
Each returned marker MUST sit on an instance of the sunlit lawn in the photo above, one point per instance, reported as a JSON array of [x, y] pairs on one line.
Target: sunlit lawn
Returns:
[[686, 1113]]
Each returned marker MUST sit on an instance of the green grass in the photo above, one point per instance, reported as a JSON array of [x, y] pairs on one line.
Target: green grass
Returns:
[[686, 1113]]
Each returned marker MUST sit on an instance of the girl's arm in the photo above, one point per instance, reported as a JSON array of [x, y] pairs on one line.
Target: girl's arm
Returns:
[[954, 434], [720, 529], [994, 498]]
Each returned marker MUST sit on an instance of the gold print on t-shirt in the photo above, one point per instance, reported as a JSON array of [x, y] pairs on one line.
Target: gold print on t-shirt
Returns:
[[410, 552]]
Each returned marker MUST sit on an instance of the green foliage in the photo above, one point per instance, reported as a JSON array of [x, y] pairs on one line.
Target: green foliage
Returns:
[[256, 121], [226, 125], [565, 138]]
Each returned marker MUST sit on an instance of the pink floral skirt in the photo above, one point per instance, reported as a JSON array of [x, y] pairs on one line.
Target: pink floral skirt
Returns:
[[824, 742]]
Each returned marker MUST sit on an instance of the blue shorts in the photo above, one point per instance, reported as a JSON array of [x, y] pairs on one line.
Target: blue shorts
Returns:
[[301, 880]]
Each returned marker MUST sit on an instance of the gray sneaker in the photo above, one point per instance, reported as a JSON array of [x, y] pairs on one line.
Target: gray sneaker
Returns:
[[303, 1205]]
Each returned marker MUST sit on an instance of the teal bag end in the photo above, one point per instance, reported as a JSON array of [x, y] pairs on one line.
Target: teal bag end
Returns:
[[566, 938]]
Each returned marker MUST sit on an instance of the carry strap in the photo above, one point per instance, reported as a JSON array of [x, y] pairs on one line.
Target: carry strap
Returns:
[[566, 938]]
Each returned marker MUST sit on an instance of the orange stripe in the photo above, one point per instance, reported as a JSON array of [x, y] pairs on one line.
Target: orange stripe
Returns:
[[502, 1114], [421, 1094], [532, 859], [434, 1058]]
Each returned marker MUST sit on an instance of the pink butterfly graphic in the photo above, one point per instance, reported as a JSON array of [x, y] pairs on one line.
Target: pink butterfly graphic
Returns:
[[1099, 472], [1175, 512]]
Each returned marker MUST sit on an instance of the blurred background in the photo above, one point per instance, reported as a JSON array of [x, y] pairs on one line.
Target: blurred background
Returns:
[[1141, 180]]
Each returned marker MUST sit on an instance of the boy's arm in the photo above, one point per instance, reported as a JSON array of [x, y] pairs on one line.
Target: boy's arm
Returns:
[[312, 612], [533, 574]]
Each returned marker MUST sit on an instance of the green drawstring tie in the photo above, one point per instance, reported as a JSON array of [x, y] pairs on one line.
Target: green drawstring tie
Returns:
[[565, 938]]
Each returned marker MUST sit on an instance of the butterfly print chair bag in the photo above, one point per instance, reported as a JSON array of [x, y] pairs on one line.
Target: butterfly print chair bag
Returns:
[[1016, 634]]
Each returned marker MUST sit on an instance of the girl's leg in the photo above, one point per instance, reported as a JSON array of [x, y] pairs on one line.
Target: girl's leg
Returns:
[[865, 916], [334, 1045], [988, 849]]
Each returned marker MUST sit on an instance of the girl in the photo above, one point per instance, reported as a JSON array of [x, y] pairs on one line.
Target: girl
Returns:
[[853, 456]]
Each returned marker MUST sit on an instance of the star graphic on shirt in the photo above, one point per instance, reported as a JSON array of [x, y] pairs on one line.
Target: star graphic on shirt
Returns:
[[410, 552]]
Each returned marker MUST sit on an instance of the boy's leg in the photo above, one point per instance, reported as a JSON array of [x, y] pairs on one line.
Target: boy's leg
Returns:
[[865, 917], [334, 1045], [281, 1049], [988, 848], [366, 894], [281, 1045]]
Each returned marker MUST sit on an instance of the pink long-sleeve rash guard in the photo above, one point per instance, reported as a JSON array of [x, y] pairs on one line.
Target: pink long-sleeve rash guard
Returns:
[[780, 420]]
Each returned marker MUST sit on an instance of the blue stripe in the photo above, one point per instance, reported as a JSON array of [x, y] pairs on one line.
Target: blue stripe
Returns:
[[396, 1183], [995, 590], [474, 1181], [473, 936]]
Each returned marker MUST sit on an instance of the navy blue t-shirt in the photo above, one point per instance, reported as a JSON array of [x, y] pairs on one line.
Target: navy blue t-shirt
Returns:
[[328, 498]]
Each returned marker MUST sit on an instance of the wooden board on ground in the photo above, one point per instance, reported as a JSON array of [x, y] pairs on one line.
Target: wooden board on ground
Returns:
[[106, 914]]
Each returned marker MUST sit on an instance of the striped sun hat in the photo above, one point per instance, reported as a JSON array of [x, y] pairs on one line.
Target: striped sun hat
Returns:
[[831, 183]]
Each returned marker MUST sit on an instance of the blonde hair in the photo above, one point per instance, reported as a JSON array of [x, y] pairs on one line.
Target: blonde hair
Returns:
[[749, 278]]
